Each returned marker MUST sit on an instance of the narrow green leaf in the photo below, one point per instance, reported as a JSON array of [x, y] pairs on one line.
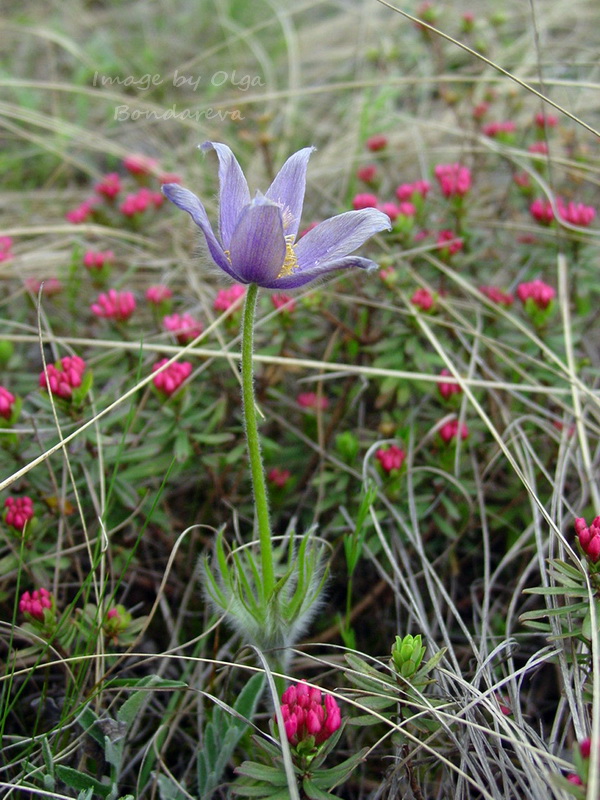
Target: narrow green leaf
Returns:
[[80, 781]]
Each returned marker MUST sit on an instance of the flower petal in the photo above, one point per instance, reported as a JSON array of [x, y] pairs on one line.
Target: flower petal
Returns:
[[188, 201], [287, 190], [234, 194], [301, 277], [258, 247], [338, 236]]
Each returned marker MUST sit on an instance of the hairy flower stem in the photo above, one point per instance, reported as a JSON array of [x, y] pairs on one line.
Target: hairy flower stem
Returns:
[[256, 465]]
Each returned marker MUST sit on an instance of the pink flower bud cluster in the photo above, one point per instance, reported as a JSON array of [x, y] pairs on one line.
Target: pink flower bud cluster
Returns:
[[538, 148], [364, 200], [285, 301], [158, 294], [32, 604], [226, 297], [423, 299], [312, 401], [541, 293], [170, 379], [279, 477], [576, 213], [64, 376], [454, 179], [377, 142], [115, 305], [81, 213], [541, 210], [140, 201], [110, 185], [407, 191], [452, 430], [49, 286], [391, 457], [543, 121], [494, 129], [497, 295], [19, 511], [140, 164], [97, 259], [589, 537], [367, 173], [449, 243], [7, 401], [305, 713], [448, 389], [183, 326], [6, 244]]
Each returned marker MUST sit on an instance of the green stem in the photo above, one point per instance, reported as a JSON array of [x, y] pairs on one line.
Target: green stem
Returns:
[[256, 465]]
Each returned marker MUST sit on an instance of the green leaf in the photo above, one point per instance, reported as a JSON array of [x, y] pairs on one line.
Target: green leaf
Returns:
[[313, 792], [131, 707], [79, 780], [260, 772]]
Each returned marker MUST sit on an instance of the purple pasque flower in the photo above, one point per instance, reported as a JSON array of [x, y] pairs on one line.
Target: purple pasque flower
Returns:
[[257, 237]]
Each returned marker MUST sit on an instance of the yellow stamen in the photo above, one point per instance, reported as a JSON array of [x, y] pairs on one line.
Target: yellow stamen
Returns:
[[290, 262]]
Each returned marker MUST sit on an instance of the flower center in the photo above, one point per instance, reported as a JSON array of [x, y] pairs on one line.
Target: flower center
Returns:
[[290, 263]]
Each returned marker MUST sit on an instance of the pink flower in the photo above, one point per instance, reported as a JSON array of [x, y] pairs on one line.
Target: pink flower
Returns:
[[306, 714], [97, 259], [19, 511], [118, 306], [585, 747], [480, 110], [589, 538], [449, 243], [64, 376], [184, 326], [49, 286], [170, 379], [423, 299], [140, 164], [408, 191], [494, 129], [574, 779], [541, 210], [109, 186], [368, 173], [545, 121], [140, 201], [312, 401], [279, 477], [541, 293], [391, 458], [452, 429], [284, 301], [226, 297], [158, 294], [538, 148], [7, 401], [82, 213], [6, 244], [497, 295], [32, 604], [448, 389], [576, 213], [522, 180], [391, 209], [454, 179], [169, 177], [377, 142], [364, 200]]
